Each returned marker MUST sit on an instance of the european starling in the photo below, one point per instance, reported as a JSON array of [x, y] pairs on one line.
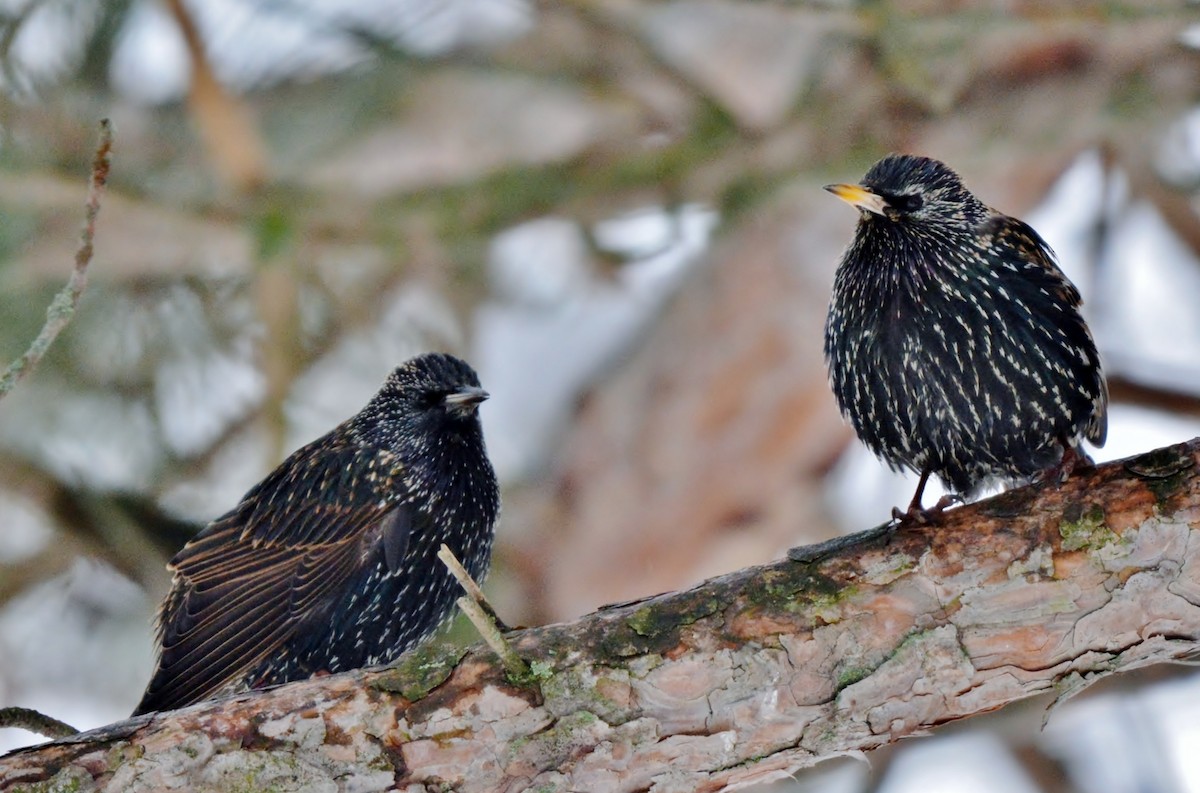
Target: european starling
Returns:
[[330, 563], [954, 343]]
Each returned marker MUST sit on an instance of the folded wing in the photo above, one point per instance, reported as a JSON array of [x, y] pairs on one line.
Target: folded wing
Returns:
[[255, 577]]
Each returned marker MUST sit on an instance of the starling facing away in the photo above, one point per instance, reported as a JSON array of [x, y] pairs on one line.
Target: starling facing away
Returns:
[[954, 343], [330, 563]]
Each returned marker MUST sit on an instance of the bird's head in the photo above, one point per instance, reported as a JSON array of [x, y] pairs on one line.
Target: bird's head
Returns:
[[912, 191], [431, 393], [439, 383]]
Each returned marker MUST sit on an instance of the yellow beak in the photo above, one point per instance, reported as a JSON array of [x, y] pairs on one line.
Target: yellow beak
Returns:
[[858, 196]]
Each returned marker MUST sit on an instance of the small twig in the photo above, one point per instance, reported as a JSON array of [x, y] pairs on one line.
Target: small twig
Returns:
[[33, 721], [469, 586], [483, 616], [62, 308], [514, 665]]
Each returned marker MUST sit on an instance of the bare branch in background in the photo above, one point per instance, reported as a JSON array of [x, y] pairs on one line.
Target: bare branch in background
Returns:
[[225, 123], [31, 720], [62, 309]]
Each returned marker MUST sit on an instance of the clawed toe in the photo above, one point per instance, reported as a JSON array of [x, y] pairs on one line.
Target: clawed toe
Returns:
[[916, 514]]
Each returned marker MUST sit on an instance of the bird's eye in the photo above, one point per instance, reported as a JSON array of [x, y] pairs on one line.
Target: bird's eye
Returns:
[[432, 399], [909, 202]]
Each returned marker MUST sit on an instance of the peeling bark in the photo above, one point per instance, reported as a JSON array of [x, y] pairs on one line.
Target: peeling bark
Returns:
[[741, 679]]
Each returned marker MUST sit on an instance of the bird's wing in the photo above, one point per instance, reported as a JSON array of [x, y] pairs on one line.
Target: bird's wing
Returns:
[[1019, 235], [396, 530], [246, 584], [1043, 265]]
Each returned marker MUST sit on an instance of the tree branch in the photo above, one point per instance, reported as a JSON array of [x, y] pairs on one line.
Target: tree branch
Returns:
[[31, 720], [744, 678], [62, 308]]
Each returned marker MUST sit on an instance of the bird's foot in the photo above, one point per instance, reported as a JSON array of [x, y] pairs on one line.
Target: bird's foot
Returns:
[[915, 514], [1061, 471], [501, 625]]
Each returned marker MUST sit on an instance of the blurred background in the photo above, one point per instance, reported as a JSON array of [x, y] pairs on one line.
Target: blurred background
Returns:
[[612, 208]]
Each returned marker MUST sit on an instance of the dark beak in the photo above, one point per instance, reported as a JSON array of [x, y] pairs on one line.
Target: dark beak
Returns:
[[859, 196], [465, 399]]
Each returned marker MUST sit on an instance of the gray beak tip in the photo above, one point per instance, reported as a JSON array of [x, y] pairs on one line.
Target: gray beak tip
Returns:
[[466, 398]]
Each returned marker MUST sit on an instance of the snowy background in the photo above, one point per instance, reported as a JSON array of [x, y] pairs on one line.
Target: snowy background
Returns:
[[613, 210]]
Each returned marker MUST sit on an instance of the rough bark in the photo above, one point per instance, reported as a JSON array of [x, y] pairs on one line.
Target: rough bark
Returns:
[[743, 678]]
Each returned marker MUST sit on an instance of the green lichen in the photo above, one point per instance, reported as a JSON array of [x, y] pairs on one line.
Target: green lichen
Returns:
[[1069, 684], [827, 607], [794, 590], [907, 642], [1085, 530], [554, 744], [266, 772], [1165, 471], [535, 674], [853, 670], [656, 619], [914, 641], [420, 671], [540, 670], [657, 625], [799, 590], [849, 675], [601, 691], [124, 752], [644, 622], [72, 779], [381, 762], [897, 565], [560, 740]]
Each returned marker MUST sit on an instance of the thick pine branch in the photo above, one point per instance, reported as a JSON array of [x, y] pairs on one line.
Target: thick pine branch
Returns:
[[743, 678]]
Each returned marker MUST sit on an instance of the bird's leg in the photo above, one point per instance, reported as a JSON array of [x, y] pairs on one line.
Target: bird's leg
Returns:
[[1072, 458], [915, 513]]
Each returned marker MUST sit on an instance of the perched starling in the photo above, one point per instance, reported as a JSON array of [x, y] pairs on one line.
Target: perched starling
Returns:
[[954, 343], [330, 563]]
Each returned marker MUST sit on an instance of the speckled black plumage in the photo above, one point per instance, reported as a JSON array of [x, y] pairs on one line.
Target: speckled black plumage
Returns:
[[330, 563], [954, 343]]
